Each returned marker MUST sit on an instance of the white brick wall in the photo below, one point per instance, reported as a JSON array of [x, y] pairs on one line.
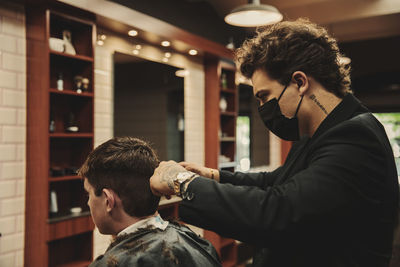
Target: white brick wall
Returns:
[[12, 133]]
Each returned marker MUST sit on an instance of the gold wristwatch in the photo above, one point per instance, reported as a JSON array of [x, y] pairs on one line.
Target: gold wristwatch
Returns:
[[181, 179]]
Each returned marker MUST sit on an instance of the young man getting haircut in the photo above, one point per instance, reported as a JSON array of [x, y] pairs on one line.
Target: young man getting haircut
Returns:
[[116, 176]]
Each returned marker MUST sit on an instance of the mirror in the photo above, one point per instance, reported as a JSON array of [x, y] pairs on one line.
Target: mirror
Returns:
[[149, 104]]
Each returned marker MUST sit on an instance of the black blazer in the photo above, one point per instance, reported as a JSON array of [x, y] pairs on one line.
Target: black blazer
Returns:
[[332, 204]]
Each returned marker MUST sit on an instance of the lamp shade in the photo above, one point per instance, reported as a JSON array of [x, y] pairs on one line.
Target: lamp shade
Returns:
[[253, 15]]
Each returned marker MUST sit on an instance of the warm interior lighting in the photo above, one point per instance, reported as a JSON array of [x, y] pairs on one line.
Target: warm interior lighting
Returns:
[[138, 47], [102, 37], [253, 14], [100, 42], [192, 52], [132, 33], [167, 54], [165, 43], [135, 52], [165, 59], [182, 73], [344, 60]]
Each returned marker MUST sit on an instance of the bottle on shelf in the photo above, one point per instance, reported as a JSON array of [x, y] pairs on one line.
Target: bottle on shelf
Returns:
[[52, 126], [78, 84], [60, 82], [224, 81], [53, 202]]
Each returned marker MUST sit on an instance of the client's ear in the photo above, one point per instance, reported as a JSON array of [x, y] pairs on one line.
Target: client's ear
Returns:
[[110, 198]]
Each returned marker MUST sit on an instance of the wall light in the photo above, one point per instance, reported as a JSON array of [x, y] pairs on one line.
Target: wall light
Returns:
[[182, 73], [192, 52], [253, 14], [165, 43], [132, 33]]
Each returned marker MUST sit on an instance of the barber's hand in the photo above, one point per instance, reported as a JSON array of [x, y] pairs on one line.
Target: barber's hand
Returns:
[[200, 170], [162, 181]]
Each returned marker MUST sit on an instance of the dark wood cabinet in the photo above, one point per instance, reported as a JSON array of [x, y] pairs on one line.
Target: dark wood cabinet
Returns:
[[60, 136], [221, 109]]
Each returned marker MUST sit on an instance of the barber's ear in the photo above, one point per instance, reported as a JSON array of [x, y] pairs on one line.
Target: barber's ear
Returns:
[[301, 79], [110, 198]]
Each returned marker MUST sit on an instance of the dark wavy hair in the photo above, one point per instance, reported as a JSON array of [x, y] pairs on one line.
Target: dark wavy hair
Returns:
[[125, 165], [289, 46]]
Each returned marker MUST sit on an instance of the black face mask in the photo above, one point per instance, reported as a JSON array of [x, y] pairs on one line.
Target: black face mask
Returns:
[[276, 122]]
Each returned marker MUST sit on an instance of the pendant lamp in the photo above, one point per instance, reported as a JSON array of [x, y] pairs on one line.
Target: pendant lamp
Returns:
[[253, 14]]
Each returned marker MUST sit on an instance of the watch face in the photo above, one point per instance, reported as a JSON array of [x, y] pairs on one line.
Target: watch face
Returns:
[[184, 175]]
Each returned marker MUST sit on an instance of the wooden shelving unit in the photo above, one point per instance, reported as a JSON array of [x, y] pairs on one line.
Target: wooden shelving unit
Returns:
[[58, 238], [220, 136]]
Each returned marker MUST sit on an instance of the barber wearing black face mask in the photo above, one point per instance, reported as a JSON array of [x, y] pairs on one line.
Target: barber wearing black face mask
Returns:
[[334, 202]]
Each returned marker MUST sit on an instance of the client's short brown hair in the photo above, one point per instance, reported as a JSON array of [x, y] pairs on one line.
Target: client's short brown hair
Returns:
[[125, 165], [289, 46]]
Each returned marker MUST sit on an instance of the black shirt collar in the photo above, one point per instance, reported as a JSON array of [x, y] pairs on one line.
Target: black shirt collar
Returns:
[[349, 107]]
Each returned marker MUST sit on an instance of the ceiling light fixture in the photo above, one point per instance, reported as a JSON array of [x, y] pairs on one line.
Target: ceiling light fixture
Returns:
[[135, 52], [253, 14], [192, 52], [165, 59], [165, 43], [167, 54], [132, 33], [138, 47]]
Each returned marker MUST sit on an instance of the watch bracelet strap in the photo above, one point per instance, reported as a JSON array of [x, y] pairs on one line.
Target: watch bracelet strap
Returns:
[[183, 187]]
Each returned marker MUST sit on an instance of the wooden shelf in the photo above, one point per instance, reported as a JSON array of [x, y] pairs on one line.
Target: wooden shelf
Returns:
[[228, 139], [228, 113], [52, 241], [228, 90], [64, 178], [71, 135], [165, 201], [227, 164], [217, 89], [69, 225], [77, 57], [71, 92], [68, 216]]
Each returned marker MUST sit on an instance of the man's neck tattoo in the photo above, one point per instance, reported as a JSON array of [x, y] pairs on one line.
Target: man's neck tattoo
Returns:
[[313, 98]]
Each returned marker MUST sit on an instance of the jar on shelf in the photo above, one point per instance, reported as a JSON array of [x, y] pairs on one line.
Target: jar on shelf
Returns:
[[223, 104]]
